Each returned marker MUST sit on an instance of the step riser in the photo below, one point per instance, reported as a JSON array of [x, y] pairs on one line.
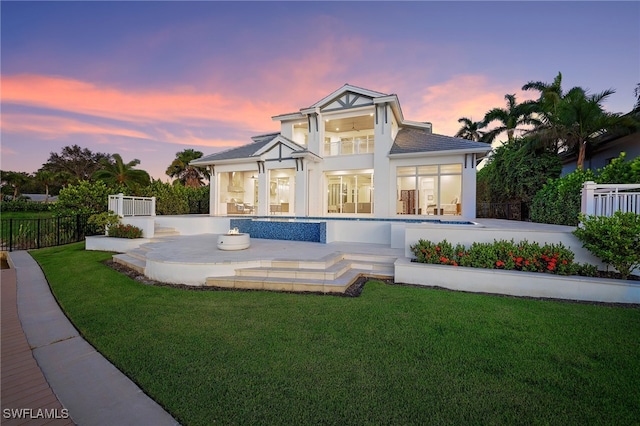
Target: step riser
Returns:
[[277, 285], [135, 267], [312, 274]]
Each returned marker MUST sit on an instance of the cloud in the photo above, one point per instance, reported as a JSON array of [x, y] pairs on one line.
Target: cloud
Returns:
[[53, 127], [182, 105], [461, 96]]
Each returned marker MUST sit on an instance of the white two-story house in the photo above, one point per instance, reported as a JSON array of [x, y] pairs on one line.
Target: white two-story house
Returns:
[[351, 154]]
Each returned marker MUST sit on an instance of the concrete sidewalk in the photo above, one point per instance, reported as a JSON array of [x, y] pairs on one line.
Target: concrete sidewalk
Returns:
[[92, 390]]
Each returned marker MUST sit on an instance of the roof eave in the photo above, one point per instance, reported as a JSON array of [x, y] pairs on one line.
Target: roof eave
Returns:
[[439, 153]]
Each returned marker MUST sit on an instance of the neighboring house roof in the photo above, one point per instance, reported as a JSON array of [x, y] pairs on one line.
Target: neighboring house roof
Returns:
[[413, 141], [40, 198]]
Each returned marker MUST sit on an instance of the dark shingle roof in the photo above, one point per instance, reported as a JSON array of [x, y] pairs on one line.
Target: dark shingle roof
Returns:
[[411, 140], [243, 151]]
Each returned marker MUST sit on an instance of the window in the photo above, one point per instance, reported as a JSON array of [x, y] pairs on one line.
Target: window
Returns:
[[429, 190], [350, 193]]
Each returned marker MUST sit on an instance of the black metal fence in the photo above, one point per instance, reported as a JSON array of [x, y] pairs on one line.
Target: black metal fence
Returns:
[[509, 211], [199, 206], [26, 234]]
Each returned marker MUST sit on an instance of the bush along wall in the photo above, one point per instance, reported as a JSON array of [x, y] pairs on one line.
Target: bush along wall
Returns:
[[506, 255]]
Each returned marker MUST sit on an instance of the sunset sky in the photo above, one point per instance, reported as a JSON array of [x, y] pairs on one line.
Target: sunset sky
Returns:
[[149, 79]]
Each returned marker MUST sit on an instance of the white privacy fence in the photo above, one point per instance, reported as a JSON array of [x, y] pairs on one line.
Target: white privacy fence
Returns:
[[606, 199], [125, 206]]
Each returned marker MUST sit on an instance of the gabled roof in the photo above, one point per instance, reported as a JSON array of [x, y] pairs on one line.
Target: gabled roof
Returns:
[[412, 141], [244, 151], [261, 145], [346, 88]]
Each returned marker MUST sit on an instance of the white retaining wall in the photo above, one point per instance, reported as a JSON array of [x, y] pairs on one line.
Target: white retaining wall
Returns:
[[517, 283], [118, 245], [195, 224]]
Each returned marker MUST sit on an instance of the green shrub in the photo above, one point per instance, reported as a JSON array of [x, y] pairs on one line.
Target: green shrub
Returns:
[[615, 240], [620, 171], [558, 202], [104, 220], [124, 231], [170, 199], [83, 197], [24, 206], [507, 255]]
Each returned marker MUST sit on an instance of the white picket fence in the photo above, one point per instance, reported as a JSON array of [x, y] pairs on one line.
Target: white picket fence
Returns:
[[606, 199], [125, 206]]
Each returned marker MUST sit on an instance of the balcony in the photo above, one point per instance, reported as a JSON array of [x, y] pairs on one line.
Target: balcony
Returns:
[[349, 146]]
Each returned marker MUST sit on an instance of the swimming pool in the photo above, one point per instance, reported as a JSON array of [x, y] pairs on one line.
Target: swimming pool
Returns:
[[327, 229]]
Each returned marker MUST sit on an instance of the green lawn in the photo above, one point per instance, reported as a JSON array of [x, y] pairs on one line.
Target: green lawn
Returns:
[[395, 355]]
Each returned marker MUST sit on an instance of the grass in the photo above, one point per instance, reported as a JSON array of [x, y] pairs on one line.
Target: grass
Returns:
[[395, 355]]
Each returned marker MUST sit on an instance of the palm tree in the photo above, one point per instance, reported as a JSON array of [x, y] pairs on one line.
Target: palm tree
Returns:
[[510, 118], [550, 94], [15, 180], [581, 119], [117, 172], [471, 129], [46, 178], [188, 175]]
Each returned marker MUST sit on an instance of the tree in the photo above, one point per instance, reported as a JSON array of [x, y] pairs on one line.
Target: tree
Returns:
[[573, 121], [84, 197], [516, 174], [471, 129], [15, 181], [116, 172], [581, 119], [46, 178], [188, 175], [79, 162], [510, 118]]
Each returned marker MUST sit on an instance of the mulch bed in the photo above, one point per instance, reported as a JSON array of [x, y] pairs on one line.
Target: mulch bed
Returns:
[[354, 289]]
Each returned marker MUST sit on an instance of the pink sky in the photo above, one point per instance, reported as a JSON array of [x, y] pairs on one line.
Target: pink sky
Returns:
[[207, 77]]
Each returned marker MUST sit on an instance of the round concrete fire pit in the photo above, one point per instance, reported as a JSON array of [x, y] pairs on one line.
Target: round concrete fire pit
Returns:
[[233, 241]]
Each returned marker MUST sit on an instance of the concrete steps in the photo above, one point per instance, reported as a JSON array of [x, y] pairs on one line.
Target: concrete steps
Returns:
[[161, 231], [332, 275], [135, 259], [131, 262]]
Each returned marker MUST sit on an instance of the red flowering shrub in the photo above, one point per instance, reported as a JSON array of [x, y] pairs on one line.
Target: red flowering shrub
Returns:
[[507, 255], [124, 231]]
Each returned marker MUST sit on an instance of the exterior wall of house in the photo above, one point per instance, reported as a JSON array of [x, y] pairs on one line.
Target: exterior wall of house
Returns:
[[370, 176], [382, 184], [467, 196]]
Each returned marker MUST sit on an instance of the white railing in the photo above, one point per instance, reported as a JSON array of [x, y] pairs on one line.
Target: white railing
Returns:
[[606, 199], [349, 146], [125, 206]]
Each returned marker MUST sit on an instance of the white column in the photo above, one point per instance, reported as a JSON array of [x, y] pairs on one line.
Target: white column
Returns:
[[468, 198], [213, 193], [263, 193], [301, 196], [382, 180], [587, 206]]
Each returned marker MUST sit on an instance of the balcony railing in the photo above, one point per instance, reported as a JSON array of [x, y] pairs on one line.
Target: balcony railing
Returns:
[[606, 199], [349, 146], [125, 206]]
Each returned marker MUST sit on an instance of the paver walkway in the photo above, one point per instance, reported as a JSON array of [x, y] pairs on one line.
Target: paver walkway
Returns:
[[85, 383], [24, 387]]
